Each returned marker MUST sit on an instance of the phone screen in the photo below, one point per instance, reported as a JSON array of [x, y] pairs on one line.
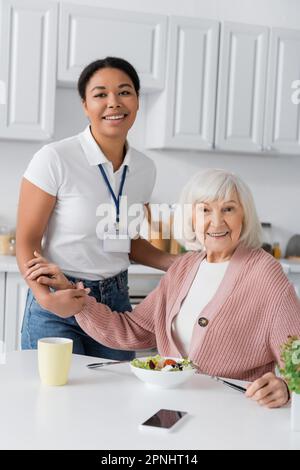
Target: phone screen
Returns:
[[165, 419]]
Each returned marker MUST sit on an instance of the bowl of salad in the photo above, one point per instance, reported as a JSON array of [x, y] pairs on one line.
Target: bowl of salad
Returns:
[[163, 372]]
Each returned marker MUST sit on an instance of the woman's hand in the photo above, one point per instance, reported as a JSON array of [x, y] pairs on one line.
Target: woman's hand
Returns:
[[41, 270], [269, 391], [65, 303]]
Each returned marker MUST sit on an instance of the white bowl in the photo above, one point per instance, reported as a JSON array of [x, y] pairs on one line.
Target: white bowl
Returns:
[[162, 379]]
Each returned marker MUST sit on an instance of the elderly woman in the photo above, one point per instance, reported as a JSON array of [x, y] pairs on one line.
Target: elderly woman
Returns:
[[228, 306]]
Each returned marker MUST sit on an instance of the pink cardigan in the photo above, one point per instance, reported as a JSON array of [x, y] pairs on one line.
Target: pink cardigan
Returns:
[[250, 316]]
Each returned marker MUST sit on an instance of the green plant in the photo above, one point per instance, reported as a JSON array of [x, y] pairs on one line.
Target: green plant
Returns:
[[290, 355]]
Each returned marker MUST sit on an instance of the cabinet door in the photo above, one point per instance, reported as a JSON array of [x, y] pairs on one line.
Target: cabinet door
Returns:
[[90, 33], [140, 285], [15, 300], [241, 88], [27, 68], [183, 115], [2, 302], [283, 116], [295, 280]]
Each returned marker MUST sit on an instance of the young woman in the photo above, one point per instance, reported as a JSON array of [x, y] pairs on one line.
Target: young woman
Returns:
[[60, 199]]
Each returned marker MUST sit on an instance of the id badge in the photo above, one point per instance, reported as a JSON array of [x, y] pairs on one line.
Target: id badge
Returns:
[[114, 242]]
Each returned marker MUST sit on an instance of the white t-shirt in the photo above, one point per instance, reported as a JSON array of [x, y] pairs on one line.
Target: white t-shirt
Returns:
[[69, 170], [205, 284]]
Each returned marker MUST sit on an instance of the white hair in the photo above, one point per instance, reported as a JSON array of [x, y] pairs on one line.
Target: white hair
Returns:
[[211, 185]]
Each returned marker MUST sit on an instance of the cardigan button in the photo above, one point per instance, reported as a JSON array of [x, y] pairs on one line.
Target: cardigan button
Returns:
[[203, 321]]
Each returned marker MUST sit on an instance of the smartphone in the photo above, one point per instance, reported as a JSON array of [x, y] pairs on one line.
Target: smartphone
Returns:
[[164, 419]]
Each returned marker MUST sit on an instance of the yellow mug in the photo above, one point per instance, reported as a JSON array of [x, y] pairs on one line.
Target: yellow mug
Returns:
[[54, 359]]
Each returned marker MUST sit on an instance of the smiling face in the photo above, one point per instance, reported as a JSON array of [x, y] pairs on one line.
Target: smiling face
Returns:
[[111, 103], [218, 226]]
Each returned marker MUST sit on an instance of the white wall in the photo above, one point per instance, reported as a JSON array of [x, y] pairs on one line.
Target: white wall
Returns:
[[274, 180]]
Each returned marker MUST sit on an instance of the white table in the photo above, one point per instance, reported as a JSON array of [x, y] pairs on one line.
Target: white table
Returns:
[[102, 409]]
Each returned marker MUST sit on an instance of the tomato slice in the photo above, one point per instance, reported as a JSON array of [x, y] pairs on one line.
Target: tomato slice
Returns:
[[170, 362]]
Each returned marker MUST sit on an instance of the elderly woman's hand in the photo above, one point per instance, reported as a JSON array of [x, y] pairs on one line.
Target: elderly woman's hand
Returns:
[[269, 391], [65, 303], [41, 270]]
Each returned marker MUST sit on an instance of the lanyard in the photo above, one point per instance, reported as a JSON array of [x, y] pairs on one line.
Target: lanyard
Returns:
[[116, 200]]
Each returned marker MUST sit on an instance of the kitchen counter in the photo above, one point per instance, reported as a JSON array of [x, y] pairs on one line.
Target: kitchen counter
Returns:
[[290, 266], [9, 264]]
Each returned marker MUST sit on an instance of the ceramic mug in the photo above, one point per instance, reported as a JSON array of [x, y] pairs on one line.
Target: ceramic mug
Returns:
[[54, 360]]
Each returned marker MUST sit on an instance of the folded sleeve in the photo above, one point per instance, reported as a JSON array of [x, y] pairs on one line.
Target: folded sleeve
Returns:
[[129, 330], [286, 323], [44, 170]]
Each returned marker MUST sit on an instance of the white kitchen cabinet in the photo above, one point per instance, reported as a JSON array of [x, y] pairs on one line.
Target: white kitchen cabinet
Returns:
[[141, 281], [295, 280], [88, 33], [241, 87], [2, 304], [28, 42], [15, 300], [282, 130], [183, 114]]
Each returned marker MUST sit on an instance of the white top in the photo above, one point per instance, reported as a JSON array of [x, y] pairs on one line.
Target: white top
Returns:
[[103, 408], [203, 288], [69, 170]]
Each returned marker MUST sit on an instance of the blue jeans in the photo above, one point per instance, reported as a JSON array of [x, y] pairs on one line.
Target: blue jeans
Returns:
[[40, 323]]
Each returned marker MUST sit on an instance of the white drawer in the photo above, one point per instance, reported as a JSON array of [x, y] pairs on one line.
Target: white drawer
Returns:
[[142, 284]]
